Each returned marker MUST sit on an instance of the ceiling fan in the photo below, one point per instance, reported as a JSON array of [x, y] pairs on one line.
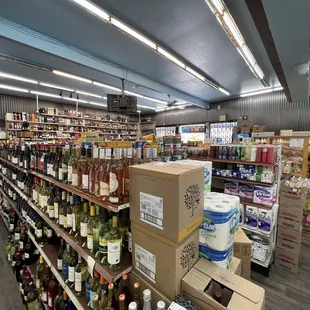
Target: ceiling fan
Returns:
[[171, 103]]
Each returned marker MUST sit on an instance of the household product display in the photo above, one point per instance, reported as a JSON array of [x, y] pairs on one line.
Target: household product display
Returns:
[[261, 248], [194, 132], [222, 131], [165, 131], [172, 148]]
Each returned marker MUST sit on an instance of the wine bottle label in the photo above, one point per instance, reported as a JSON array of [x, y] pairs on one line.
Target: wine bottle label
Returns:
[[92, 294], [34, 195], [56, 212], [16, 236], [70, 170], [129, 242], [103, 245], [61, 219], [69, 220], [60, 174], [39, 233], [21, 287], [51, 212], [65, 270], [59, 264], [85, 181], [90, 242], [38, 284], [44, 296], [11, 227], [74, 179], [104, 189], [26, 255], [73, 222], [64, 168], [14, 176], [49, 233], [78, 286], [50, 301], [114, 252], [65, 221], [83, 229], [71, 274], [44, 201], [36, 252], [113, 182], [21, 245]]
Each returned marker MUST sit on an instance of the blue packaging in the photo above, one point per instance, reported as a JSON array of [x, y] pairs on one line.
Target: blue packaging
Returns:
[[221, 258]]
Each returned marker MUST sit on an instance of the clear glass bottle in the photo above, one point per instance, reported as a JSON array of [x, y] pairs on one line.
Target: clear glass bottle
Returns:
[[103, 175], [93, 167], [90, 224], [71, 165], [114, 246], [84, 222], [103, 238], [116, 179], [147, 297]]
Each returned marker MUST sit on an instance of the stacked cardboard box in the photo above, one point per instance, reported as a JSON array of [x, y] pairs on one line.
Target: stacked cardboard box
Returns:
[[166, 207], [289, 228]]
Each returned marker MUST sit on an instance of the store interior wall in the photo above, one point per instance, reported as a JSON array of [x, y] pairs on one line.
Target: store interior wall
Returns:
[[9, 104], [272, 110]]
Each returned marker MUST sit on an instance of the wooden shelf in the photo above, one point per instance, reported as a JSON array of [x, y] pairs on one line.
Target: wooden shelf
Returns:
[[254, 204], [75, 243], [107, 205], [242, 180], [230, 161]]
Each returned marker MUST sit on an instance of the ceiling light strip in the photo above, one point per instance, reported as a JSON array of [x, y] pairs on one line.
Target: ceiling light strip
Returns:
[[93, 8], [263, 91], [56, 87], [44, 94], [9, 87], [17, 78], [72, 76]]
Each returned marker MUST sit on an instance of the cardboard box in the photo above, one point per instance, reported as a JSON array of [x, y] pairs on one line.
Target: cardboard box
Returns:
[[236, 266], [237, 293], [259, 128], [289, 223], [133, 277], [286, 259], [289, 198], [167, 199], [243, 250], [289, 238], [161, 262]]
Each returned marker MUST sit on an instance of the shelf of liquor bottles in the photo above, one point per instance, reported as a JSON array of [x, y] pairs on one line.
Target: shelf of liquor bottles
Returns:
[[74, 239]]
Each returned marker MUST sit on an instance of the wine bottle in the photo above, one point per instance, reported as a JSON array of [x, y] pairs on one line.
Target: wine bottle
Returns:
[[161, 305], [52, 292], [121, 300], [71, 268], [40, 273], [60, 255], [45, 282], [94, 285], [136, 294], [80, 276], [114, 246], [147, 300], [65, 262]]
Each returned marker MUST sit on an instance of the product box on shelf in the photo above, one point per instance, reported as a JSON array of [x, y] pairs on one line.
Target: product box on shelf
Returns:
[[167, 199], [292, 212], [200, 284], [263, 195], [133, 277], [162, 262], [286, 259], [289, 223], [291, 198], [242, 250], [231, 188], [246, 190], [259, 128], [289, 238]]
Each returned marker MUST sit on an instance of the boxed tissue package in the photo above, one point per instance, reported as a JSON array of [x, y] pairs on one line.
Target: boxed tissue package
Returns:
[[205, 278], [231, 188], [246, 190], [251, 217], [167, 199], [264, 195]]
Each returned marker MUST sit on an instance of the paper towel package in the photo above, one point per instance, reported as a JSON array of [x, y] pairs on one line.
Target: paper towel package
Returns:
[[264, 195], [251, 216], [231, 188], [265, 220], [220, 221], [241, 214], [246, 190], [220, 258]]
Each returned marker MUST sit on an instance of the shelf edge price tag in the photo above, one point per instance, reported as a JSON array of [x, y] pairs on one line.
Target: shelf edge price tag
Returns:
[[91, 265]]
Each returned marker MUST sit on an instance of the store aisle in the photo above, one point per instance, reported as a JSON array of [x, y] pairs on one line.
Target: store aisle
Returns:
[[285, 290], [10, 298]]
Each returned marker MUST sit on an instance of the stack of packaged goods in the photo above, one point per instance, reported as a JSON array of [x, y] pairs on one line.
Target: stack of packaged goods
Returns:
[[221, 219], [293, 196], [166, 206]]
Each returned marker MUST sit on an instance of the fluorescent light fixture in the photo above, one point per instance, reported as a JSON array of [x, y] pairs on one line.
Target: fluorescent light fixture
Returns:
[[107, 86], [233, 28], [72, 76], [181, 103], [170, 57], [18, 78], [127, 92], [218, 5], [75, 100], [155, 100], [160, 110], [145, 107], [87, 94], [23, 90], [98, 103], [211, 7], [263, 91], [56, 87], [93, 8], [195, 73], [139, 111], [248, 55], [258, 71], [40, 93], [224, 91], [105, 98], [133, 33]]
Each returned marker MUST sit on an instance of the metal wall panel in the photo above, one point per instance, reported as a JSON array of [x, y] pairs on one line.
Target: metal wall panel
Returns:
[[271, 110]]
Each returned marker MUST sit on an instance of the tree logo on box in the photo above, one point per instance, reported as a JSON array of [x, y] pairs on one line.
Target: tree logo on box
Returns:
[[192, 198], [188, 255]]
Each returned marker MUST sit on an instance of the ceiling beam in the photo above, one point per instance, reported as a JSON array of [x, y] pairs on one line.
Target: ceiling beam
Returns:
[[23, 35], [256, 9]]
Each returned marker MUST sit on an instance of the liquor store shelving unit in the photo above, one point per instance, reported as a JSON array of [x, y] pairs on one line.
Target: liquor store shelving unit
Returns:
[[49, 253], [128, 126], [109, 275], [272, 235]]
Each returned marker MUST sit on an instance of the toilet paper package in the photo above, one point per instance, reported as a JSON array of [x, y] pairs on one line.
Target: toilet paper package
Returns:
[[231, 188], [241, 214], [220, 221], [220, 258], [265, 220], [246, 190], [251, 216], [264, 195]]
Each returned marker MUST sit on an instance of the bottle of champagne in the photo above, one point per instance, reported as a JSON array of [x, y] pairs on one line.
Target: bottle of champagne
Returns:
[[114, 246], [147, 300]]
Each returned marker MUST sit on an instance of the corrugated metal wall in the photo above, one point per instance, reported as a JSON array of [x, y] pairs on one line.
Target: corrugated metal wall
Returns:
[[20, 104], [270, 109]]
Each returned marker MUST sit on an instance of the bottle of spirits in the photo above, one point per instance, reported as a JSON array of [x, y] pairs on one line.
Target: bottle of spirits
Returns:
[[94, 285], [84, 221], [147, 300], [52, 292], [39, 273], [60, 255], [71, 268], [80, 276], [103, 238], [91, 222], [71, 165], [114, 246], [116, 179], [103, 176]]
